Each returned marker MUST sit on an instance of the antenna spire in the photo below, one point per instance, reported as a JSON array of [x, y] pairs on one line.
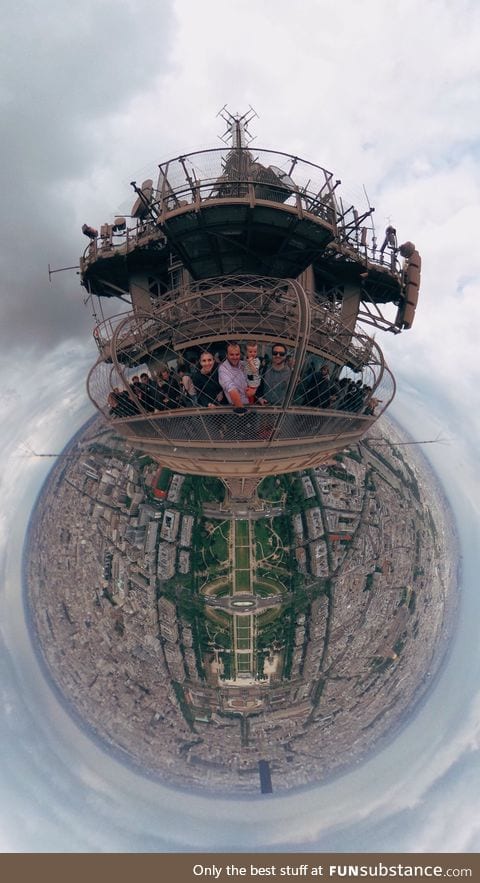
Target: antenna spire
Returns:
[[236, 133]]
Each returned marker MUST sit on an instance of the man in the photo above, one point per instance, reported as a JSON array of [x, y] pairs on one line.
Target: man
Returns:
[[276, 377], [168, 389], [124, 406], [233, 377], [320, 389], [147, 391]]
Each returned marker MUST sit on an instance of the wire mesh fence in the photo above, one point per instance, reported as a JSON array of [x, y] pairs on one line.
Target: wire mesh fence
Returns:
[[160, 374], [211, 176]]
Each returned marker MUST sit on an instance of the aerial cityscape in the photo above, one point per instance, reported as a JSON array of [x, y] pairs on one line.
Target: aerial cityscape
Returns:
[[199, 637]]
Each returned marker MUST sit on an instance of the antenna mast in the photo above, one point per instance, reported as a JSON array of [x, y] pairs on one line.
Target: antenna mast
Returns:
[[237, 133]]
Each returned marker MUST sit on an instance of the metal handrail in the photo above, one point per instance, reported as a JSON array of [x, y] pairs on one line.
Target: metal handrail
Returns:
[[206, 183]]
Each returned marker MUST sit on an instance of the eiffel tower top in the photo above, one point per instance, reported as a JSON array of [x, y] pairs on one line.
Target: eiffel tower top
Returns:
[[237, 133]]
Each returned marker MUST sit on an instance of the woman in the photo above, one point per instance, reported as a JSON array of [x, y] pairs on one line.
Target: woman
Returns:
[[205, 381]]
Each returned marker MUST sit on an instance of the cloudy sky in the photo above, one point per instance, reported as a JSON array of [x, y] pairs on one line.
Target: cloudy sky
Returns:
[[94, 95]]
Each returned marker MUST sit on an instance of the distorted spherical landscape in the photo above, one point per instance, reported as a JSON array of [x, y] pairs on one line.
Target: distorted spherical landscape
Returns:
[[237, 647]]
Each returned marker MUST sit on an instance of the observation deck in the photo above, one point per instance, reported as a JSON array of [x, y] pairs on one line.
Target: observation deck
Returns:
[[298, 431], [238, 211]]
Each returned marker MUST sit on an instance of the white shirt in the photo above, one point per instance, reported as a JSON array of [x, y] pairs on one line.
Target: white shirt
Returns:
[[230, 377]]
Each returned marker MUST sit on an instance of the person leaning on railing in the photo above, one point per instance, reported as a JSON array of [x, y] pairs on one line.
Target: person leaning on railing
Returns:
[[209, 393], [319, 389], [168, 395], [233, 377], [369, 401], [276, 377], [120, 404], [148, 392]]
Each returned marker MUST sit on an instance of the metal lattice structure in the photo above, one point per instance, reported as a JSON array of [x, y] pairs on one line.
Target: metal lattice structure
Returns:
[[265, 439], [235, 244]]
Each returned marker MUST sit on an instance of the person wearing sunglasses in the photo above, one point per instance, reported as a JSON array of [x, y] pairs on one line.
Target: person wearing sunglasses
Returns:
[[276, 377]]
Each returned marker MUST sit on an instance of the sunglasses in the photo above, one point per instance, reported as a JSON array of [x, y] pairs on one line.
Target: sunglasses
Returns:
[[278, 353]]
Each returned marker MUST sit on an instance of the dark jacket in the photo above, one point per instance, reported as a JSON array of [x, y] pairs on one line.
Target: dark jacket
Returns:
[[207, 387]]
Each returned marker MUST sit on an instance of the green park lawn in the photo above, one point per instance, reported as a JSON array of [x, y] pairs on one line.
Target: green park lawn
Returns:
[[242, 558], [241, 533], [242, 580]]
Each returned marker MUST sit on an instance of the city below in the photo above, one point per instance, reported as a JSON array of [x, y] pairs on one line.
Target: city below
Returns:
[[232, 647]]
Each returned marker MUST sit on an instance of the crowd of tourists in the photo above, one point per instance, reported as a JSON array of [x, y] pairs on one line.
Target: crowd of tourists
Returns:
[[240, 379]]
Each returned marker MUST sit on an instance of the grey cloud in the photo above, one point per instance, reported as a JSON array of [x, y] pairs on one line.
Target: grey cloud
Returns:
[[67, 70]]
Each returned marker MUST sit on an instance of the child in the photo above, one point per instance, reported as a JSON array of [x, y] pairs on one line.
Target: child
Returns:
[[252, 367]]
